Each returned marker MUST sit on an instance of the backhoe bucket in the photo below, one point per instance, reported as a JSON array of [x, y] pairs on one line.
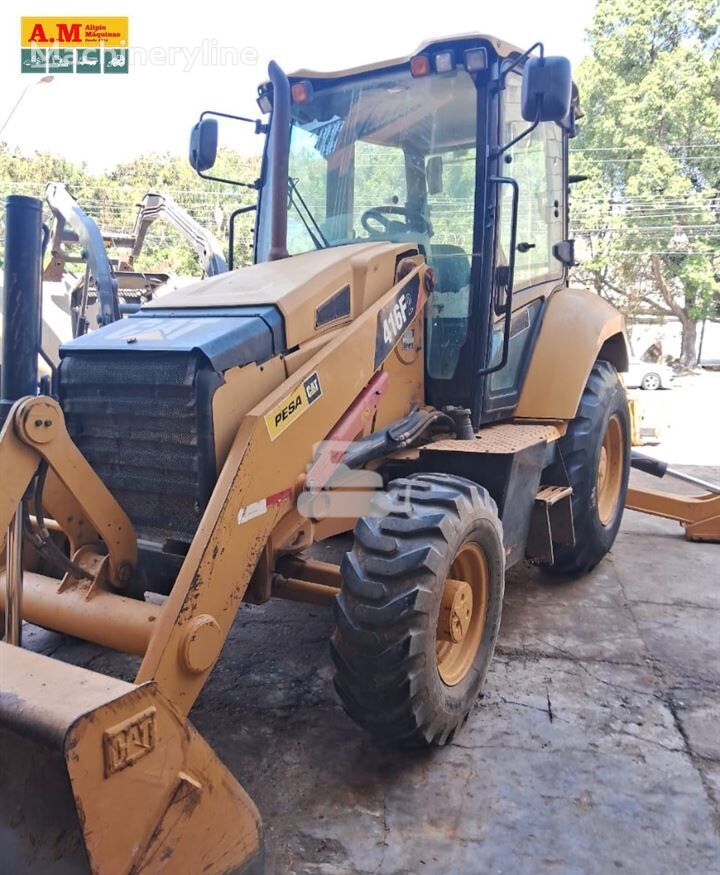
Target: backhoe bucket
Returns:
[[99, 775]]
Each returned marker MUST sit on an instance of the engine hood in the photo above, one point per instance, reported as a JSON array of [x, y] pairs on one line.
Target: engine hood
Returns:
[[314, 292]]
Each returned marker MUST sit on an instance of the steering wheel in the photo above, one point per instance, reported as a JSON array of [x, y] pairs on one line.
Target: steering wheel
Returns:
[[414, 221]]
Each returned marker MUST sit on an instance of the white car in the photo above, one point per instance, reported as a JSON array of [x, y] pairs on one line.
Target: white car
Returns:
[[648, 375]]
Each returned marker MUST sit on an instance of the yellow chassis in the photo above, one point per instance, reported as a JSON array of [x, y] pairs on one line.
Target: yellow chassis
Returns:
[[91, 730]]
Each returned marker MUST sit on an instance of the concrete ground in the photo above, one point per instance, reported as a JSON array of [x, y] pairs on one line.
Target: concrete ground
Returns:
[[595, 748]]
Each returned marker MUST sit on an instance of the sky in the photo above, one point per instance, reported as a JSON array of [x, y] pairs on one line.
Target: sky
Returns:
[[213, 55]]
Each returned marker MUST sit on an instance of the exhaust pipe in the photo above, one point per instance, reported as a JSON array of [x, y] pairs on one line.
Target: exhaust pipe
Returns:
[[279, 161], [21, 300], [20, 349]]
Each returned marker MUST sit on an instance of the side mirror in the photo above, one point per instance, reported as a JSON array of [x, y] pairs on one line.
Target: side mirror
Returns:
[[203, 144], [434, 174], [546, 89]]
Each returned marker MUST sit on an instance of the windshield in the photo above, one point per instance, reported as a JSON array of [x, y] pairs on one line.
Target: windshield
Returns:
[[385, 158]]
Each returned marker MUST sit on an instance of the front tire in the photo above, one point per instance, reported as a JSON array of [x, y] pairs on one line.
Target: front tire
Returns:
[[418, 615], [596, 453]]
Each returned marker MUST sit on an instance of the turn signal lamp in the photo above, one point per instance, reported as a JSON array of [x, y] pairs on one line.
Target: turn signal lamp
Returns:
[[420, 65], [301, 92]]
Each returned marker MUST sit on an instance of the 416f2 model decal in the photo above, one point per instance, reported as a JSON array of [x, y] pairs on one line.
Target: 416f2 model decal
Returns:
[[395, 317]]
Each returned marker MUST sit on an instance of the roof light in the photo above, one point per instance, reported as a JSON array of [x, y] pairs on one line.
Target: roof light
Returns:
[[444, 62], [420, 65], [476, 60], [301, 91]]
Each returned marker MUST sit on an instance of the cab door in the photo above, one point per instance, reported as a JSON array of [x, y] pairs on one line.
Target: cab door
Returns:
[[537, 163]]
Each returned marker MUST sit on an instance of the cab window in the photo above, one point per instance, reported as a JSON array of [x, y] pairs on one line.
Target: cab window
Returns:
[[535, 162]]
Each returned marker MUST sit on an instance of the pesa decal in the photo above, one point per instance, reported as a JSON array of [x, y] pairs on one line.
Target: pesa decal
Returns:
[[292, 407]]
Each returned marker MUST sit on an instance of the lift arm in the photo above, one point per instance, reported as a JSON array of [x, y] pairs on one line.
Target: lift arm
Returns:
[[258, 486]]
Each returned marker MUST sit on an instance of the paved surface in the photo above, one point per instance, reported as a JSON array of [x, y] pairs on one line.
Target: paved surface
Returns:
[[688, 417], [595, 748]]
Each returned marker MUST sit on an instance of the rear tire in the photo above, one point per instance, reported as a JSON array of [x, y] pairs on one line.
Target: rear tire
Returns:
[[397, 671], [596, 453]]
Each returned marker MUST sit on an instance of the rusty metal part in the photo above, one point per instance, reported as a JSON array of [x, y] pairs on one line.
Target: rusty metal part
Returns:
[[610, 470], [458, 636], [551, 523], [35, 430], [699, 514], [295, 590], [12, 591], [306, 580], [127, 783], [311, 570], [76, 608], [507, 438]]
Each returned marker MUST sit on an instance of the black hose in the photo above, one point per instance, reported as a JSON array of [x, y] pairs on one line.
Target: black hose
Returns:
[[397, 436], [40, 538]]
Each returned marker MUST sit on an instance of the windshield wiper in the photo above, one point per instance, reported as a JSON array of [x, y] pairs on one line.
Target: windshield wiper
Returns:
[[320, 241]]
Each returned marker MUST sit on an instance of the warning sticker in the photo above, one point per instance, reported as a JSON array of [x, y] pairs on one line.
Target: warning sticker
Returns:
[[292, 407], [258, 508]]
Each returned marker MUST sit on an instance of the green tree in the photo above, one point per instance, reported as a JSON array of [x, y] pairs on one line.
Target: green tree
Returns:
[[112, 198], [649, 213]]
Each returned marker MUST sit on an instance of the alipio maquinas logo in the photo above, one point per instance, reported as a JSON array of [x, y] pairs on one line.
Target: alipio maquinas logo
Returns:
[[77, 44]]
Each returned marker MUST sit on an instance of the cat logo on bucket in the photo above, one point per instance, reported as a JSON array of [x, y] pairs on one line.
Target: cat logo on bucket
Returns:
[[130, 740], [292, 407]]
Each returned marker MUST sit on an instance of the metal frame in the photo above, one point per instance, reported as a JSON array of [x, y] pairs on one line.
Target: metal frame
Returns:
[[86, 233], [698, 514]]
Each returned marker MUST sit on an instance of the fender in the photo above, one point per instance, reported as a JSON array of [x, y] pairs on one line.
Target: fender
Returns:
[[578, 328]]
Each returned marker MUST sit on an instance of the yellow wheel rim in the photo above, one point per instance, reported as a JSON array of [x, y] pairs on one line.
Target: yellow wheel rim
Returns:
[[463, 612], [610, 470]]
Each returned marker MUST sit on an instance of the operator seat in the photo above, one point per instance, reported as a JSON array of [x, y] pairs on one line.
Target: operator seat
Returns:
[[447, 314], [452, 267]]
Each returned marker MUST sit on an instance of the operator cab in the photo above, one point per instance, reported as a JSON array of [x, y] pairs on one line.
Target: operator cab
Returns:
[[391, 156], [460, 150]]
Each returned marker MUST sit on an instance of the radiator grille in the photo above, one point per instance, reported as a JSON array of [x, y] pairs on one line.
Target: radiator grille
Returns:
[[144, 423]]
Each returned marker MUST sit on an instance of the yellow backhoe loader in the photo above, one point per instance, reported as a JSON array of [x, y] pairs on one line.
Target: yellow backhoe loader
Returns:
[[405, 360]]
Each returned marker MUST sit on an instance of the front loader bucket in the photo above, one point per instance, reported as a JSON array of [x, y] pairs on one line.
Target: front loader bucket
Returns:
[[99, 775]]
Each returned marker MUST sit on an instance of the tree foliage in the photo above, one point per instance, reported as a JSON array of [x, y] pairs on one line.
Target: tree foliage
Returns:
[[650, 145], [112, 198]]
